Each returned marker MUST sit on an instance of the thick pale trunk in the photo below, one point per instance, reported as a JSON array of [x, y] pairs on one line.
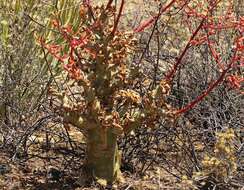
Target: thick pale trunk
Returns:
[[103, 158]]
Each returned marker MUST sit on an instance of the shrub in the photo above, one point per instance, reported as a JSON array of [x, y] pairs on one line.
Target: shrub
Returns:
[[112, 95], [24, 76]]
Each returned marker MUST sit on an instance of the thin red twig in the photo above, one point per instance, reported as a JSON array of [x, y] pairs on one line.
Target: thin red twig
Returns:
[[150, 21], [118, 17], [170, 75], [109, 4], [209, 89]]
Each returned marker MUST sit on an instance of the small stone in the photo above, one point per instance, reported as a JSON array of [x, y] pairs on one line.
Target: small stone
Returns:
[[4, 168], [54, 174]]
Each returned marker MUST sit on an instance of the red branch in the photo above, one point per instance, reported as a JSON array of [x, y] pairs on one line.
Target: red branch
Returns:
[[119, 15], [170, 75], [109, 4], [209, 89], [150, 21]]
